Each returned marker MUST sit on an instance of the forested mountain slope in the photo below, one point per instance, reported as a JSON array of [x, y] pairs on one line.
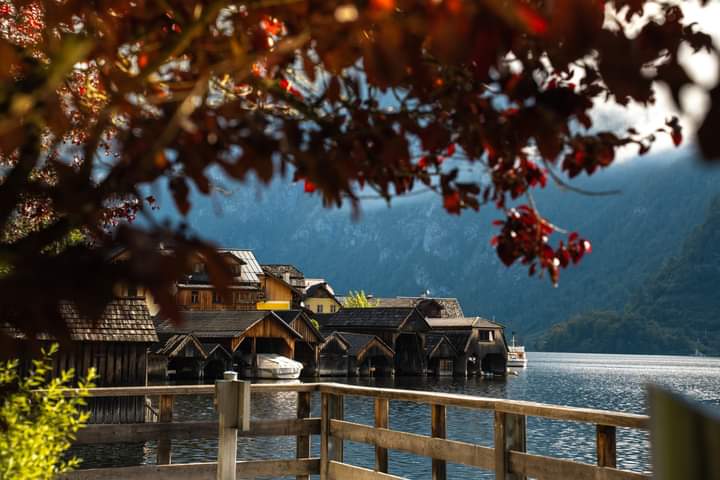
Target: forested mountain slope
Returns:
[[676, 310], [415, 246]]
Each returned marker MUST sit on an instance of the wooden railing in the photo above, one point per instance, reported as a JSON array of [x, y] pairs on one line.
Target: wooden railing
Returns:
[[508, 458]]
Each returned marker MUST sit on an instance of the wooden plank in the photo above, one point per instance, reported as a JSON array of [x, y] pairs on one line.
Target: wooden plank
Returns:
[[541, 467], [324, 434], [382, 410], [448, 450], [142, 432], [190, 389], [337, 411], [227, 406], [343, 471], [164, 446], [439, 430], [510, 435], [606, 446], [200, 471], [518, 407], [303, 441]]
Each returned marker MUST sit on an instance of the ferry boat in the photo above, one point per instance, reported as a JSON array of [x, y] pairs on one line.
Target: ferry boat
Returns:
[[516, 355], [273, 367]]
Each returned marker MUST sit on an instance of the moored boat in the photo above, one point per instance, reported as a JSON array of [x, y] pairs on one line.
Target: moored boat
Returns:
[[516, 356], [272, 366]]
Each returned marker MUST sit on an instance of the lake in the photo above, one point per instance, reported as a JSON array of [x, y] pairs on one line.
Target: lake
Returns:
[[611, 382]]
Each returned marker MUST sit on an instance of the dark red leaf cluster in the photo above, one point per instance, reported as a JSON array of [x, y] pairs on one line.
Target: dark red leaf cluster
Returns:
[[525, 236]]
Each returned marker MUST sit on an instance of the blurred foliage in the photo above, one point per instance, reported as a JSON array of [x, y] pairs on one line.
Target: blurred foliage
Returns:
[[38, 419]]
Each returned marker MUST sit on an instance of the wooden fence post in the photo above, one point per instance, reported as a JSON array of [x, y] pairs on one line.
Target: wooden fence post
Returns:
[[439, 430], [332, 407], [606, 454], [510, 434], [164, 446], [382, 406], [303, 441], [233, 403]]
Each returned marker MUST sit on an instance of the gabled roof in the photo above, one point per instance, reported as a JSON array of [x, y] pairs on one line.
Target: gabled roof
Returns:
[[177, 343], [124, 320], [434, 341], [315, 289], [290, 316], [359, 344], [297, 279], [212, 348], [460, 339], [251, 268], [218, 323], [371, 317]]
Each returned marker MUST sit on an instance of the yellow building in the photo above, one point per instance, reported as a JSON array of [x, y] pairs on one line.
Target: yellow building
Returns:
[[319, 298]]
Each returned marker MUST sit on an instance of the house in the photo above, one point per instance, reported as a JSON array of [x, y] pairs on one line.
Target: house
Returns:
[[356, 354], [320, 298], [281, 292], [401, 328], [196, 292], [307, 348], [115, 345], [479, 343], [242, 333], [289, 273]]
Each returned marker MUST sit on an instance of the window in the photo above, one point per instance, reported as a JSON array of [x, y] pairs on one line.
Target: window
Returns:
[[485, 336], [217, 298], [333, 307], [132, 291], [194, 297], [236, 269], [319, 309]]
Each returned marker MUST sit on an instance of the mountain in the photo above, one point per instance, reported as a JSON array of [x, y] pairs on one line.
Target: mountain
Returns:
[[676, 310], [415, 246]]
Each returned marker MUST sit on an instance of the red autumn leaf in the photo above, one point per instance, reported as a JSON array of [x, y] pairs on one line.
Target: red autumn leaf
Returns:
[[451, 202], [309, 186]]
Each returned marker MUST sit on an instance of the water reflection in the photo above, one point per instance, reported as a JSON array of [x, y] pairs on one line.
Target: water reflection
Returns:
[[613, 382]]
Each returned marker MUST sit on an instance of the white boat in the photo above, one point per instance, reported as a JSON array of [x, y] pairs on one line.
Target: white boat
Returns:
[[272, 366], [516, 355]]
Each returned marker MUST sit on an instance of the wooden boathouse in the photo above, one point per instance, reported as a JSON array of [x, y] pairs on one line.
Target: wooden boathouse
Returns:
[[479, 345], [402, 329], [356, 354], [184, 356], [115, 345], [307, 348], [244, 333]]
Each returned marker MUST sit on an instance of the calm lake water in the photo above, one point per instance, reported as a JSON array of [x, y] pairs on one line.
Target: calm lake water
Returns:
[[611, 382]]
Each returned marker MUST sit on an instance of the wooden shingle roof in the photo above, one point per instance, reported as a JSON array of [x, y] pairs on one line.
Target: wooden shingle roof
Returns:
[[373, 317], [124, 320], [450, 307], [218, 323]]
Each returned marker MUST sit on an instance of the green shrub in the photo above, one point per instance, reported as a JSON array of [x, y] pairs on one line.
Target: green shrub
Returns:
[[38, 420]]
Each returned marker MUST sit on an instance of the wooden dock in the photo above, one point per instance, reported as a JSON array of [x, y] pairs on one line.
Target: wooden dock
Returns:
[[508, 458]]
